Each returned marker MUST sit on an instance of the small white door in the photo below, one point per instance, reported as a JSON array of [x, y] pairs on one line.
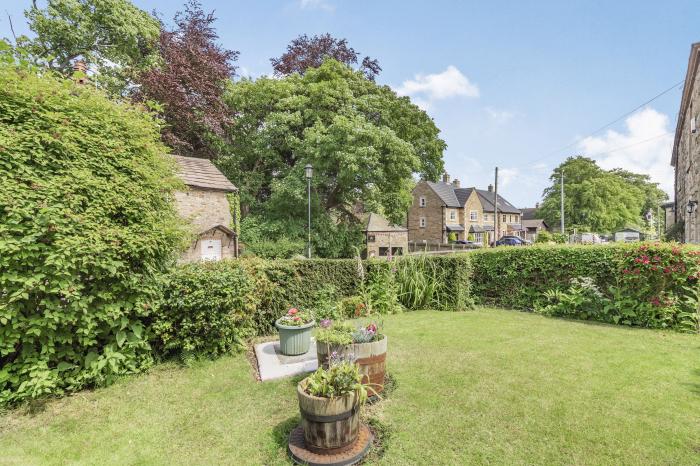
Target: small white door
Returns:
[[211, 249]]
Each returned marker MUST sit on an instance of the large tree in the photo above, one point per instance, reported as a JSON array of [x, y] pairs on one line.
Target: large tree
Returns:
[[189, 83], [113, 37], [306, 52], [598, 200], [364, 142]]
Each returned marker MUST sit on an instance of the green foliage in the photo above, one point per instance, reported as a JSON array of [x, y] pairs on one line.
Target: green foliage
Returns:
[[544, 237], [207, 310], [648, 285], [599, 200], [364, 142], [87, 227], [341, 378], [326, 305], [115, 39], [434, 282], [338, 334], [676, 232], [234, 203], [380, 288], [559, 238], [452, 237], [296, 318]]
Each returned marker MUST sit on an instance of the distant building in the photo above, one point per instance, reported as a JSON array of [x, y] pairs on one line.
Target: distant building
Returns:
[[383, 238], [669, 214], [532, 222], [685, 157], [205, 204], [628, 235], [443, 209]]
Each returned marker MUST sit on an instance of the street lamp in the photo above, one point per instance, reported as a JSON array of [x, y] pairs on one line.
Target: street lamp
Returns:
[[691, 208], [308, 172], [692, 205]]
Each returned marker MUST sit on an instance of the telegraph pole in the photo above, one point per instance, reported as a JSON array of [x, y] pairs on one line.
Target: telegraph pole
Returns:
[[562, 202], [495, 209]]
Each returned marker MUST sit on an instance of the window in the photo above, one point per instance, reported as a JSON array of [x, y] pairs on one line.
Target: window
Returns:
[[422, 222], [486, 217], [421, 201], [503, 218], [371, 239], [479, 237], [473, 215], [453, 215], [211, 249]]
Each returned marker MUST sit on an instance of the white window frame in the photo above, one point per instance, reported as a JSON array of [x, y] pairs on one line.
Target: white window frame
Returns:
[[473, 216], [422, 223], [453, 215], [210, 249], [421, 201]]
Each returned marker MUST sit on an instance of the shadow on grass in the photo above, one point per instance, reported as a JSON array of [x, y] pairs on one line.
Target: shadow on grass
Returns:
[[694, 386]]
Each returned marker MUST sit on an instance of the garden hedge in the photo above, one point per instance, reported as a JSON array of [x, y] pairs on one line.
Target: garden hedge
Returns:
[[87, 226]]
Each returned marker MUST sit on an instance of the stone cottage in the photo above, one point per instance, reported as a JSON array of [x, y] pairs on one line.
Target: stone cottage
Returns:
[[685, 157], [383, 238], [205, 204], [443, 209]]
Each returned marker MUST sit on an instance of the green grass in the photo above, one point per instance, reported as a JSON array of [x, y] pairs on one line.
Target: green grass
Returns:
[[480, 387]]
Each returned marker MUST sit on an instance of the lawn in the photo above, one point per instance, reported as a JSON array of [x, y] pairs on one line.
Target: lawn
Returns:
[[480, 387]]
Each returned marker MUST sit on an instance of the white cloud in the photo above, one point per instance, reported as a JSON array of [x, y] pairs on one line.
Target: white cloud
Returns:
[[644, 147], [500, 116], [506, 175], [316, 5], [427, 88]]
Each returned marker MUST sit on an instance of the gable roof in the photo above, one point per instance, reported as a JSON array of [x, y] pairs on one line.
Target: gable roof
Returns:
[[201, 173], [446, 193], [693, 61], [534, 223], [529, 213], [487, 197], [377, 223]]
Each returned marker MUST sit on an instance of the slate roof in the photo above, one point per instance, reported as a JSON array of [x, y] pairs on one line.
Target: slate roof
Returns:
[[486, 197], [529, 213], [446, 193], [201, 173], [454, 227], [535, 223], [377, 223]]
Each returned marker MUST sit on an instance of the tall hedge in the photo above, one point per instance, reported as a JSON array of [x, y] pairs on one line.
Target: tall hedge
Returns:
[[87, 226]]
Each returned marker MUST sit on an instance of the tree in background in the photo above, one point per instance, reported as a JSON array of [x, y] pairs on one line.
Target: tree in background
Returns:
[[306, 52], [189, 83], [598, 200], [113, 37], [364, 142]]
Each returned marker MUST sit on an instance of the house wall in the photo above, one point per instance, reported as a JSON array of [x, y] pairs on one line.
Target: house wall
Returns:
[[688, 167], [204, 208], [393, 239], [472, 203], [433, 213], [194, 253]]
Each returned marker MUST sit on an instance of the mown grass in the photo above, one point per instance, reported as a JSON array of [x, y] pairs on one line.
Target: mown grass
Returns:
[[480, 387]]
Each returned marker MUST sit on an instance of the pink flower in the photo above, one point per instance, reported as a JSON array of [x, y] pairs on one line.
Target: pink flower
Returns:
[[297, 318], [292, 311], [372, 328]]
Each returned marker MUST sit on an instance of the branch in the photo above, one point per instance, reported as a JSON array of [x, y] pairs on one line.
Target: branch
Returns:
[[12, 28]]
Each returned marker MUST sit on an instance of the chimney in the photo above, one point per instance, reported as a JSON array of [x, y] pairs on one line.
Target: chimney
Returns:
[[80, 67], [490, 188], [537, 205], [455, 183], [445, 178]]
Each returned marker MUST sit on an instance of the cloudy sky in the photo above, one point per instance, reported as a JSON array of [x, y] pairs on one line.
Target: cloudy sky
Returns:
[[518, 85]]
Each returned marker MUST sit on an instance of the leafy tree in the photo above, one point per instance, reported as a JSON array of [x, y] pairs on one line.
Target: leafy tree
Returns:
[[364, 143], [87, 228], [596, 199], [306, 52], [113, 37], [189, 83]]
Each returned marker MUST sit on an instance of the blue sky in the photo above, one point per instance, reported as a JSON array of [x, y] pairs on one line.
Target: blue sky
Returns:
[[508, 83]]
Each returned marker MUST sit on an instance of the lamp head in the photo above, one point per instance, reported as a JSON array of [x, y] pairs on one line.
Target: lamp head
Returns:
[[308, 171]]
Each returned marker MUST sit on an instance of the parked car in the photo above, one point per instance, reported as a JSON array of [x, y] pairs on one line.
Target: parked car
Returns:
[[473, 244], [511, 241]]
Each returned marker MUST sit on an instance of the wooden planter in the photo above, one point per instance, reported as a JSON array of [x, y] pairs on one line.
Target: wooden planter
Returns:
[[331, 425], [294, 340], [371, 357]]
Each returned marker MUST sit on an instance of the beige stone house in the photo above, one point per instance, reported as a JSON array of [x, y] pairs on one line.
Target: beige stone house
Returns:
[[383, 238], [206, 206], [685, 157], [444, 207], [532, 223]]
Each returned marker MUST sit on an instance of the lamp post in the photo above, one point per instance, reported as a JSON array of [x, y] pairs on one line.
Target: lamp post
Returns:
[[308, 172], [691, 208]]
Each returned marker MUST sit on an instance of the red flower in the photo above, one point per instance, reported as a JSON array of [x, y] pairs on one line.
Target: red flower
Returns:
[[372, 328], [297, 318], [292, 311]]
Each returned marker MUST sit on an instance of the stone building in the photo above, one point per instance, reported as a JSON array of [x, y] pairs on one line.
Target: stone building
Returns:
[[532, 222], [205, 204], [443, 209], [685, 157], [383, 238]]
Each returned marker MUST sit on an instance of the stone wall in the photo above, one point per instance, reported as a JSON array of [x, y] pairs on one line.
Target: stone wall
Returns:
[[433, 213], [386, 239], [204, 208], [688, 168], [194, 252]]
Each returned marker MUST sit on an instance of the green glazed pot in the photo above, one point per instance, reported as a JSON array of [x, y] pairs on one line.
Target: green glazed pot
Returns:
[[295, 340]]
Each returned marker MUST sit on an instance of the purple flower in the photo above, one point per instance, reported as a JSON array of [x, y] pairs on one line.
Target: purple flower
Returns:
[[325, 323]]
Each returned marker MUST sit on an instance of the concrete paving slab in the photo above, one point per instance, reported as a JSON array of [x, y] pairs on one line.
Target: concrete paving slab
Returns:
[[272, 364]]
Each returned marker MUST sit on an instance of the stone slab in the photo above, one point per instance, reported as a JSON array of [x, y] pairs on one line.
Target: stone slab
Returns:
[[274, 365]]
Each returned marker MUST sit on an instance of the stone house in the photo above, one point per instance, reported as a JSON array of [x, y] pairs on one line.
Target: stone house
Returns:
[[442, 208], [383, 238], [206, 206], [685, 157], [532, 223]]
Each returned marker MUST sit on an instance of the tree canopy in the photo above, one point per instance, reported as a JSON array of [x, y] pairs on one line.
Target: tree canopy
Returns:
[[599, 200], [364, 143], [113, 37], [306, 52]]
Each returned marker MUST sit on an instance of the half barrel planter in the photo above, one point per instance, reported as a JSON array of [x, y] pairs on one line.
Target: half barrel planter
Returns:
[[331, 425], [294, 340], [370, 357]]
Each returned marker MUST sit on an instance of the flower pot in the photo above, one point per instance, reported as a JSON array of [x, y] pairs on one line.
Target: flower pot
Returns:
[[370, 357], [331, 425], [294, 340]]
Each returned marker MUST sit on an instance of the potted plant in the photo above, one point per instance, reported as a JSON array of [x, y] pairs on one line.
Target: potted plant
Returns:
[[295, 332], [365, 343], [329, 403]]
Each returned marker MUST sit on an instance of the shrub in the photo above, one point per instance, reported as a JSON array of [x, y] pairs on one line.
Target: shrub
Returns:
[[544, 237], [87, 225], [207, 310], [282, 248], [440, 282]]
